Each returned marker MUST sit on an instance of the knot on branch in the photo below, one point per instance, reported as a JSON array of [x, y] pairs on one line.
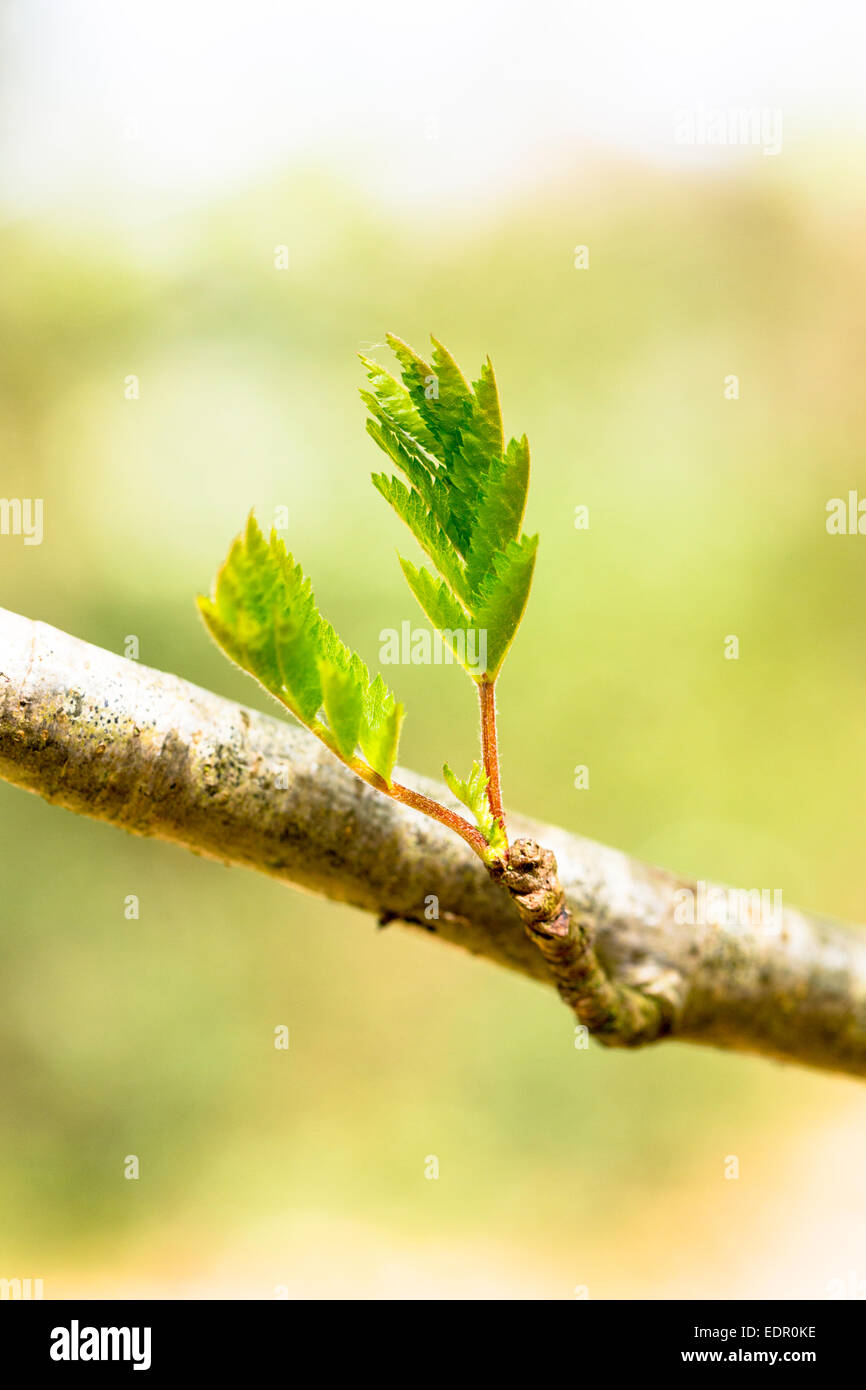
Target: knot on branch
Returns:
[[531, 876], [618, 1015]]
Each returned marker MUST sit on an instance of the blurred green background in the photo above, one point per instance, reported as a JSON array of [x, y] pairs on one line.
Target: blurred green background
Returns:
[[558, 1168]]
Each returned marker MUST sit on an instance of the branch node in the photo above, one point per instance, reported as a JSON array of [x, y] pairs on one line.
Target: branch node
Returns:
[[618, 1014]]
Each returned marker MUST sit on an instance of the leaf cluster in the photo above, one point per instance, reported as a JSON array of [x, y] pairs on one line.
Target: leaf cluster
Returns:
[[462, 494], [264, 616], [463, 497]]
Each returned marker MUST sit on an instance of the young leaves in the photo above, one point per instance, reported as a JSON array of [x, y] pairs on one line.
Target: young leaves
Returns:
[[263, 614], [463, 499], [473, 793], [462, 495]]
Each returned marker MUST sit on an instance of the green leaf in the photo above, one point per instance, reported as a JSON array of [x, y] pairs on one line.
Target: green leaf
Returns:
[[380, 729], [452, 407], [488, 425], [263, 614], [343, 697], [473, 794], [445, 402], [466, 495], [500, 512], [421, 385], [500, 603], [446, 614], [395, 401], [409, 506], [472, 791], [420, 471], [498, 842]]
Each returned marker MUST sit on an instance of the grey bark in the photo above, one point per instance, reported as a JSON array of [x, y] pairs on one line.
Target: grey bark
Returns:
[[98, 734]]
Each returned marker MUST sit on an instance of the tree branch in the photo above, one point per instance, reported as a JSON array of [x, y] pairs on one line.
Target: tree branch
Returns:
[[104, 736]]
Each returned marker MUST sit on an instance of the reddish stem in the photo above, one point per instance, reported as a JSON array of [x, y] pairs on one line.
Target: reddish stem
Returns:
[[469, 833], [489, 750], [419, 802]]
